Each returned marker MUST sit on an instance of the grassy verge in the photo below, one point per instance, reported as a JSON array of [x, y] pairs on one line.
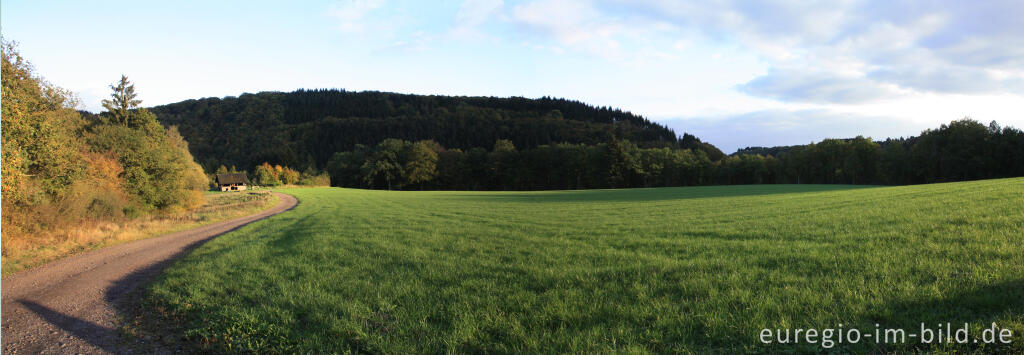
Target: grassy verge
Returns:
[[219, 206], [691, 270]]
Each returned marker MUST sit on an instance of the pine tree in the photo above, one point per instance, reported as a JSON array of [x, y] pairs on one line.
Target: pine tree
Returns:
[[123, 101]]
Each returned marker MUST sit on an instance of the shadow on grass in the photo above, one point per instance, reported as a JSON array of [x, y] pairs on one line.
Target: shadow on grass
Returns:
[[650, 194], [980, 307], [1000, 302], [127, 295]]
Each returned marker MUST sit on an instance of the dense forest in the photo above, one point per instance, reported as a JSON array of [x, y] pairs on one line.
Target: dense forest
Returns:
[[395, 141], [304, 129], [62, 167], [962, 150]]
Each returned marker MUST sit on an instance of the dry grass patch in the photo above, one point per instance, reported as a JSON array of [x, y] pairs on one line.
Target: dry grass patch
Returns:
[[24, 251]]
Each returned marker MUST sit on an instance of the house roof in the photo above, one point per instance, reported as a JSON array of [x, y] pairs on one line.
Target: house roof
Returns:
[[237, 178]]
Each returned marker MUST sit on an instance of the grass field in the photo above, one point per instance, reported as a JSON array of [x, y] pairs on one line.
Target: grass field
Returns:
[[693, 269]]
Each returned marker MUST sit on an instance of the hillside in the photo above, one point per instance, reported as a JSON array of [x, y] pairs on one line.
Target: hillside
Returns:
[[366, 140], [305, 128], [664, 270]]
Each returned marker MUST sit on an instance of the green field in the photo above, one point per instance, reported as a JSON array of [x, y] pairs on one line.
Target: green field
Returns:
[[691, 269]]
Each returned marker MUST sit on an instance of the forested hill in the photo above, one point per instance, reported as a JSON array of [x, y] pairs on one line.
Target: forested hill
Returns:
[[306, 127]]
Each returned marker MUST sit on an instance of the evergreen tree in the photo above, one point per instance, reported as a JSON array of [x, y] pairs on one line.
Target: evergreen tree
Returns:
[[122, 101]]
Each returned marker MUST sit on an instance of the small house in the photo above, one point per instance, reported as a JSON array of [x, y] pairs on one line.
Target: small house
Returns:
[[232, 182]]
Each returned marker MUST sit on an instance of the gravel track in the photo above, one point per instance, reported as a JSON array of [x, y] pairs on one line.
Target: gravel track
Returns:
[[72, 305]]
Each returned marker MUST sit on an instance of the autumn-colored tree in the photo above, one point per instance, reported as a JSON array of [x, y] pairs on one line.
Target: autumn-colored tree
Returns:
[[266, 175], [58, 169], [289, 176], [41, 134]]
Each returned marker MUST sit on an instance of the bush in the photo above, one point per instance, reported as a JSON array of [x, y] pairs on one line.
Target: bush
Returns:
[[321, 179], [158, 169], [289, 176]]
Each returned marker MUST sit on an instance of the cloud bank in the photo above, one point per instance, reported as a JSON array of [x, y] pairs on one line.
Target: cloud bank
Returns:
[[841, 51]]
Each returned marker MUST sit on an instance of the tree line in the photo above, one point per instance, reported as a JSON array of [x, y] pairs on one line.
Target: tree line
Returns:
[[962, 150], [400, 164]]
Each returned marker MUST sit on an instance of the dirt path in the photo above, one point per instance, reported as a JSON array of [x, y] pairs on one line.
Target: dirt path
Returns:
[[70, 306]]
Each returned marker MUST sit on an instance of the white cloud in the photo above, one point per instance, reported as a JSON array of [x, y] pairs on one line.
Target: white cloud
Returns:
[[951, 79], [821, 51], [569, 22], [352, 15], [573, 23], [473, 13]]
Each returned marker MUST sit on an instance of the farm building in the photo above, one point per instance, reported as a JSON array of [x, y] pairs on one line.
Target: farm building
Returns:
[[232, 182]]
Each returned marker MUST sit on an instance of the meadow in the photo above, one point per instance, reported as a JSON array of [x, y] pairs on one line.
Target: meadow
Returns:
[[688, 270]]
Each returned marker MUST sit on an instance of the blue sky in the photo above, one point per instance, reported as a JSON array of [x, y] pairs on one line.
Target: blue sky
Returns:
[[735, 73]]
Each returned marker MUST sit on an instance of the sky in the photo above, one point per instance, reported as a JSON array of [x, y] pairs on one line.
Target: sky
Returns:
[[734, 73]]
